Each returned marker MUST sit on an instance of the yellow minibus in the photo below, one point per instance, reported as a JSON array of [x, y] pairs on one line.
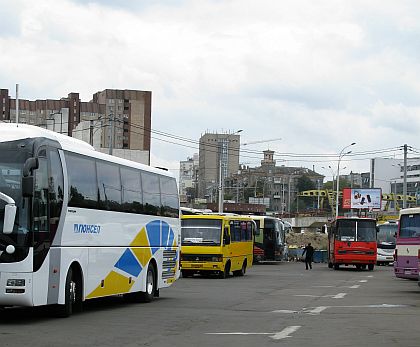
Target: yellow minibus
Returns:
[[216, 243]]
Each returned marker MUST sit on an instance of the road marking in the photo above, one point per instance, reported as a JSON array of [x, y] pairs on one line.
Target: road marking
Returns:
[[335, 296], [352, 287], [285, 332], [316, 310], [363, 281], [275, 336], [319, 309]]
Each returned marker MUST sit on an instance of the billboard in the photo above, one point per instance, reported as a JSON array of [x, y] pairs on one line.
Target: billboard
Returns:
[[362, 198]]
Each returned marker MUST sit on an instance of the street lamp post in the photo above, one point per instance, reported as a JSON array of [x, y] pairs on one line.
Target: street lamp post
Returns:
[[340, 156]]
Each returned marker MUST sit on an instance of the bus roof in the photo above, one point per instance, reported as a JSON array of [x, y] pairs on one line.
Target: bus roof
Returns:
[[13, 132], [413, 210], [216, 216]]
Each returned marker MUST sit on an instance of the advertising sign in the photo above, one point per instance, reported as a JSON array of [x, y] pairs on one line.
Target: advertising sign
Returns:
[[362, 198]]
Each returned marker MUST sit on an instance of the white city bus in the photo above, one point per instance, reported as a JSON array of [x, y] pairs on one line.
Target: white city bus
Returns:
[[77, 224]]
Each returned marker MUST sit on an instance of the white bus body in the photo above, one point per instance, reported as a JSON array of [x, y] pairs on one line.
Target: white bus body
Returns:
[[95, 225]]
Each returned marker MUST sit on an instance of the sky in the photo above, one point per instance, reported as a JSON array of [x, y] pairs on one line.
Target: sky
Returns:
[[315, 76]]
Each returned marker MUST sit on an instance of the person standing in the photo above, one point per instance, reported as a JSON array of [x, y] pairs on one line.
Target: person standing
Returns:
[[309, 250]]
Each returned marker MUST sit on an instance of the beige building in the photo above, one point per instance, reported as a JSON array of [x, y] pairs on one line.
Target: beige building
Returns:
[[128, 112], [218, 153]]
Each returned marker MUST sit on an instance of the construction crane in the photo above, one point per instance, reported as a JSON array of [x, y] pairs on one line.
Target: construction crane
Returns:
[[260, 141]]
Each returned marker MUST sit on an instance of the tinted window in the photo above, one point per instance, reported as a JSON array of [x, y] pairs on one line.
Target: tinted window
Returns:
[[169, 196], [132, 198], [409, 226], [237, 229], [40, 200], [109, 186], [55, 190], [82, 181], [151, 193]]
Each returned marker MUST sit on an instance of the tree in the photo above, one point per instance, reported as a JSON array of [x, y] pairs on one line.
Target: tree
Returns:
[[305, 183]]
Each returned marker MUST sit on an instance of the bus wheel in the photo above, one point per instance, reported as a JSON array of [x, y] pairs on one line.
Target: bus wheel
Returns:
[[330, 265], [242, 271], [370, 267], [148, 295], [71, 295], [336, 266], [359, 267], [225, 273]]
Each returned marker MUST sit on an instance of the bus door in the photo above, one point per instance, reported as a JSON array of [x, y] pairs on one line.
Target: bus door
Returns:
[[269, 241]]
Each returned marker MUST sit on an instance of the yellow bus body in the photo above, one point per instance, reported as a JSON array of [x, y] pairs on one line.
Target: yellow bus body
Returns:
[[235, 256]]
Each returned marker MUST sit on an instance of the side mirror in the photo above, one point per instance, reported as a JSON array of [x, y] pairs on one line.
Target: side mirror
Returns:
[[377, 230], [9, 218], [30, 165], [395, 235]]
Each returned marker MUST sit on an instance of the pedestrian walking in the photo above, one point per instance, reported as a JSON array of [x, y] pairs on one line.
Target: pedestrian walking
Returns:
[[309, 250]]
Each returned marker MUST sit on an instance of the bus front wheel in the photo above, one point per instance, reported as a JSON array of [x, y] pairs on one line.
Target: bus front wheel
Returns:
[[225, 273], [371, 267], [336, 266], [72, 296]]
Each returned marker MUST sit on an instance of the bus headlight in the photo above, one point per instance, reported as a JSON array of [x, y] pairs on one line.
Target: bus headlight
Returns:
[[217, 258], [15, 282]]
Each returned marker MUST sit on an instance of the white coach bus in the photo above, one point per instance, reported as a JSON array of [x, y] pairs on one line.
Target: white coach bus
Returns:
[[77, 224]]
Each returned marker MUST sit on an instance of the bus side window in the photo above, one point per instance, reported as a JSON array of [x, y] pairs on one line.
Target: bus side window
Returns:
[[40, 201], [55, 190], [151, 194], [226, 236]]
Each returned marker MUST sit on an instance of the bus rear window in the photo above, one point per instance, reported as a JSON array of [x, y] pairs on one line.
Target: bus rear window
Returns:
[[409, 226]]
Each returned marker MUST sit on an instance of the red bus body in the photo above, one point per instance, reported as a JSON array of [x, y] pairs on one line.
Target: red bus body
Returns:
[[352, 241]]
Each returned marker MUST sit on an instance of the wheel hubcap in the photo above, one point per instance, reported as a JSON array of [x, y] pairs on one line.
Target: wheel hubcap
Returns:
[[149, 283]]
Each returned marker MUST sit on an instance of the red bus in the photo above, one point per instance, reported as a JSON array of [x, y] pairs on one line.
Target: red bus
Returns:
[[352, 241]]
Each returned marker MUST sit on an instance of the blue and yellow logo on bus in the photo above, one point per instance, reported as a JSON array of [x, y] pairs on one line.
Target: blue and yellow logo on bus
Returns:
[[135, 258]]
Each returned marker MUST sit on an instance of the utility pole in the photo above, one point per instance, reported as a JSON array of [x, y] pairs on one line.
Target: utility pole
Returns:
[[405, 178], [111, 131], [91, 133], [17, 103], [220, 186]]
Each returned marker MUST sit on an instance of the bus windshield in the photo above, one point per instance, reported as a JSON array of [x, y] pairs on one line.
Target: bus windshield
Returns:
[[11, 166], [356, 230], [201, 231], [387, 232], [409, 226]]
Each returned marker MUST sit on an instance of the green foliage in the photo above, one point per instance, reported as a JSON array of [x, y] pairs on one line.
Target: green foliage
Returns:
[[305, 183]]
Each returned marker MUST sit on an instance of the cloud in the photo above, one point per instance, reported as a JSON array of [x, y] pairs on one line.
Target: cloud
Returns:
[[319, 74]]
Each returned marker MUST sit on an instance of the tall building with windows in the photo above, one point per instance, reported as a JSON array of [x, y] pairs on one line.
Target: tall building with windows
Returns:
[[126, 112], [218, 154], [188, 178]]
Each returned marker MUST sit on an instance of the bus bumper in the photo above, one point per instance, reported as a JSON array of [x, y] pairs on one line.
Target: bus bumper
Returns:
[[354, 260], [404, 272], [202, 266], [15, 289]]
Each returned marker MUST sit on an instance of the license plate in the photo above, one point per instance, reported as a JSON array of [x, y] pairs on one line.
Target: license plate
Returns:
[[196, 265], [407, 272]]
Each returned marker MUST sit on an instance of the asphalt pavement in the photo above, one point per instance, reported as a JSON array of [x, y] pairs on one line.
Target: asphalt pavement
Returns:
[[273, 304]]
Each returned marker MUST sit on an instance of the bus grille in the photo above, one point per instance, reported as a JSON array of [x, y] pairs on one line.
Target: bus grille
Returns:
[[169, 263], [198, 257]]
